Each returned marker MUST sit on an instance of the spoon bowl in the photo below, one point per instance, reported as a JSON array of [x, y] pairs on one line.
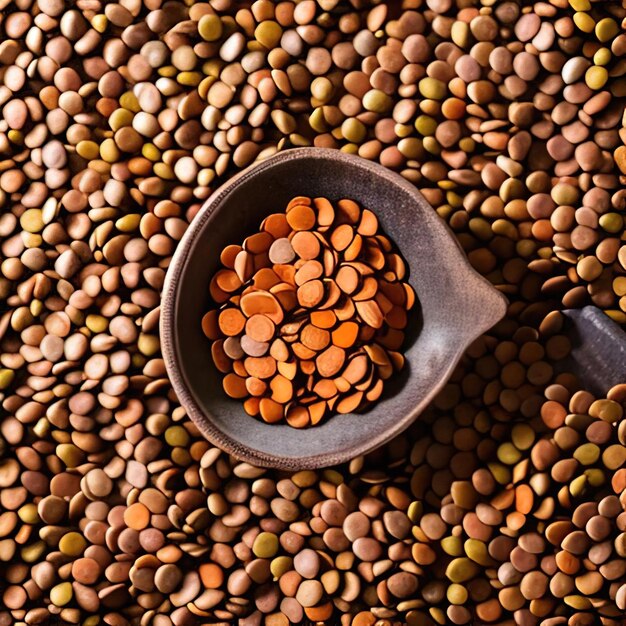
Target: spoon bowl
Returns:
[[456, 305]]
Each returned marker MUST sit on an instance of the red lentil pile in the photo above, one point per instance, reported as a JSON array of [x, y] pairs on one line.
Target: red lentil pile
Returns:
[[311, 313], [505, 504]]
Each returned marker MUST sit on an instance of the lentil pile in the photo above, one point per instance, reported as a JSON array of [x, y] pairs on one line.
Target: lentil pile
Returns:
[[505, 504], [313, 313]]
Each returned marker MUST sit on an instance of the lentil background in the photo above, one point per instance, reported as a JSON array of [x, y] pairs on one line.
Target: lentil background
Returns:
[[505, 504]]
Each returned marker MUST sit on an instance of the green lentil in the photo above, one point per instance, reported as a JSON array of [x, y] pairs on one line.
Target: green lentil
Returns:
[[265, 545], [210, 27]]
